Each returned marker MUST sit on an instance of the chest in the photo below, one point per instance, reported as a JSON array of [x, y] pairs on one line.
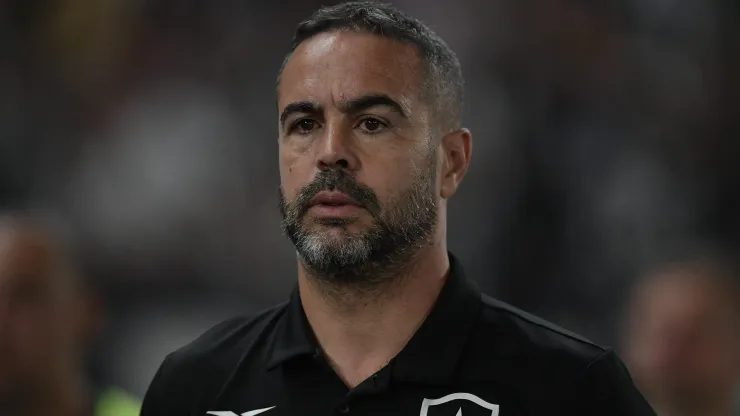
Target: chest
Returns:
[[316, 396]]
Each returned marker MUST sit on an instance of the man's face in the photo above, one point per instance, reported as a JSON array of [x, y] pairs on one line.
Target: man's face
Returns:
[[37, 317], [357, 161], [683, 344]]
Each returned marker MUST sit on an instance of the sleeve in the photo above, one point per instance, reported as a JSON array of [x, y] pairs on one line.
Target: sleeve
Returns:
[[608, 389], [167, 393]]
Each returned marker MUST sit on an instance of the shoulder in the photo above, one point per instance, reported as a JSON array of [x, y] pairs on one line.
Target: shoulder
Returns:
[[515, 347], [508, 330], [195, 373], [512, 347], [227, 339]]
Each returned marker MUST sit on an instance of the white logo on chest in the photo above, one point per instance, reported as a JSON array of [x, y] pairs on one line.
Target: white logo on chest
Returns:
[[249, 413], [427, 403]]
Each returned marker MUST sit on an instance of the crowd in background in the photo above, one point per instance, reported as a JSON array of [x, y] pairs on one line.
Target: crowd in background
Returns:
[[603, 138]]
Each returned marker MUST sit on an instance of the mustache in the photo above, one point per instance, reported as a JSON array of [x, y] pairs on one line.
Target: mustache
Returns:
[[339, 181]]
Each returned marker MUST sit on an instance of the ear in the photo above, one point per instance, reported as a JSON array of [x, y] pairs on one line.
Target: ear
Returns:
[[456, 148]]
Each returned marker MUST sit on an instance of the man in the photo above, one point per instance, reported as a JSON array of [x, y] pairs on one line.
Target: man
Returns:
[[383, 320], [683, 337], [46, 317]]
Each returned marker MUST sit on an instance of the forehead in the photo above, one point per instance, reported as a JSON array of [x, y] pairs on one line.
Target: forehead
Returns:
[[336, 66]]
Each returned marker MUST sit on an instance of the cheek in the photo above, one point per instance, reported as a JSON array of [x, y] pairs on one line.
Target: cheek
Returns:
[[390, 178], [406, 168], [296, 170]]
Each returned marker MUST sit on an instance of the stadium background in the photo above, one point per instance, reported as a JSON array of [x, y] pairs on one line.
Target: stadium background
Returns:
[[604, 133]]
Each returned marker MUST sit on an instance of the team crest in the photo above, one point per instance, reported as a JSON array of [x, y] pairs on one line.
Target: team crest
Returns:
[[428, 403]]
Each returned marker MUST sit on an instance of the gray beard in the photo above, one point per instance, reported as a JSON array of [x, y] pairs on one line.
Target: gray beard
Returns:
[[363, 261]]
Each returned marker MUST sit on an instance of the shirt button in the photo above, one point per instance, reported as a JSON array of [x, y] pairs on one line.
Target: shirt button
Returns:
[[344, 409]]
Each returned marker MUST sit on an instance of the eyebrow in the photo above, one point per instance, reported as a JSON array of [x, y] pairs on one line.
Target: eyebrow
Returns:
[[365, 102], [305, 107], [354, 105]]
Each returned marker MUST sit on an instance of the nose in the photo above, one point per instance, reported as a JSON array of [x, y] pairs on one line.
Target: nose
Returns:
[[337, 149]]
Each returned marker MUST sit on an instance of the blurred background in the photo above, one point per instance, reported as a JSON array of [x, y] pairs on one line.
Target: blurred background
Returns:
[[603, 137]]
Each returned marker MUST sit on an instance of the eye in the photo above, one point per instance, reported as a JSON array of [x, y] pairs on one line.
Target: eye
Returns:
[[304, 126], [372, 125]]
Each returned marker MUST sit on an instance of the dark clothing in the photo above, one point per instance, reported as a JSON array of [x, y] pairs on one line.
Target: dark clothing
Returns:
[[472, 356]]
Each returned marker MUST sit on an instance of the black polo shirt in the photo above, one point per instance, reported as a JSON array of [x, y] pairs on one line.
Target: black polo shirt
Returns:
[[472, 356]]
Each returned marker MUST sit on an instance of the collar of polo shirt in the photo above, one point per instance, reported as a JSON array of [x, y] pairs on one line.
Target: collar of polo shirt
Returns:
[[432, 354]]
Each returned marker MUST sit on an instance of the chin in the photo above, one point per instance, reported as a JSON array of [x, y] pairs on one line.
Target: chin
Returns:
[[335, 244], [347, 225], [335, 238]]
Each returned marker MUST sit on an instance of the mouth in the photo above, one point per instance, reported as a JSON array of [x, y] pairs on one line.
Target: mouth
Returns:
[[333, 199], [334, 205]]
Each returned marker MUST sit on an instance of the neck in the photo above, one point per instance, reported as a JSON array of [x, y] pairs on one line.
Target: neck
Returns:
[[361, 332]]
